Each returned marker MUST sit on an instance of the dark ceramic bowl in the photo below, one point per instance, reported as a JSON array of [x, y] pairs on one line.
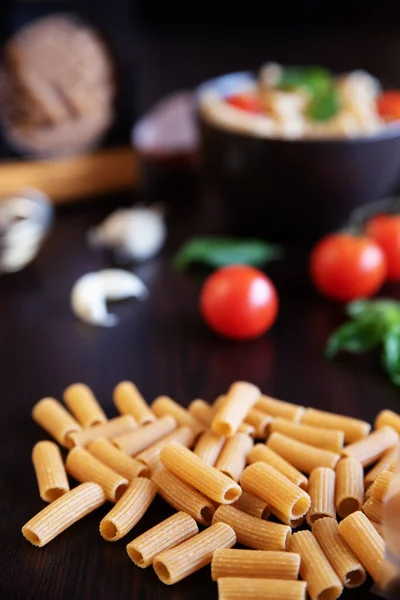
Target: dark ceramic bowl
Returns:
[[295, 190]]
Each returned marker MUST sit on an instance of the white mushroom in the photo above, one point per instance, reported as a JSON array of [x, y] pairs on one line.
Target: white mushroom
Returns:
[[137, 233], [90, 293]]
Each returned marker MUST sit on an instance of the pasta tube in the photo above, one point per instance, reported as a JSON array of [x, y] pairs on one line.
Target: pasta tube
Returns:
[[202, 411], [365, 542], [183, 497], [109, 430], [129, 509], [258, 589], [388, 417], [56, 420], [115, 459], [177, 563], [240, 398], [129, 401], [253, 532], [209, 447], [370, 449], [190, 468], [167, 534], [50, 471], [62, 513], [259, 564], [138, 440], [380, 487], [322, 581], [302, 456], [349, 493], [387, 460], [232, 459], [347, 567], [85, 467], [327, 439], [150, 456], [279, 408], [163, 405], [273, 487], [354, 429], [260, 421], [321, 489], [82, 403], [252, 505], [373, 508], [261, 453]]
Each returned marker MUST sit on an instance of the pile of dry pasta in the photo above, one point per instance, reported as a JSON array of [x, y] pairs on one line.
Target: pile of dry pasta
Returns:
[[311, 467]]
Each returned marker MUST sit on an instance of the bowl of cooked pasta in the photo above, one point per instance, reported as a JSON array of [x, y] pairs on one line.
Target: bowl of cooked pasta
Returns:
[[292, 151]]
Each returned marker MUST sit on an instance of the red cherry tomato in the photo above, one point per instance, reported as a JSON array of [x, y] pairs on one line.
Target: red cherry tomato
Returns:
[[388, 104], [385, 231], [239, 302], [248, 102], [345, 267]]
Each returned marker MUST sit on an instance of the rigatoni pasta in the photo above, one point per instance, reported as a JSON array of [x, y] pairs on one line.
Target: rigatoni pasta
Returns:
[[208, 447], [354, 429], [373, 508], [232, 459], [262, 453], [183, 497], [258, 589], [150, 456], [364, 541], [302, 456], [315, 569], [207, 480], [370, 449], [115, 459], [50, 471], [252, 505], [247, 428], [62, 513], [347, 566], [177, 563], [163, 405], [138, 440], [253, 532], [388, 417], [321, 488], [258, 564], [56, 420], [387, 460], [84, 406], [327, 439], [349, 492], [202, 411], [129, 401], [83, 466], [273, 487], [380, 487], [279, 408], [167, 534], [260, 421], [129, 509], [240, 398], [109, 430]]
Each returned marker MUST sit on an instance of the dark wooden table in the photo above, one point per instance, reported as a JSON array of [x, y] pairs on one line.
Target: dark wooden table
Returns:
[[161, 344], [164, 347]]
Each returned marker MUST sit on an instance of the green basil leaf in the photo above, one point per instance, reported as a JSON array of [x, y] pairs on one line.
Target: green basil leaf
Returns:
[[218, 252], [383, 310], [324, 105], [391, 355], [354, 336], [314, 79]]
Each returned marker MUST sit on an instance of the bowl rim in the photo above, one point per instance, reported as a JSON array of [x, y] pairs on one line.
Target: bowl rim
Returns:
[[233, 80]]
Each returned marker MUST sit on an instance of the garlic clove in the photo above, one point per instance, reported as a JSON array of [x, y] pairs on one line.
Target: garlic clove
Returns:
[[90, 293], [138, 234]]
